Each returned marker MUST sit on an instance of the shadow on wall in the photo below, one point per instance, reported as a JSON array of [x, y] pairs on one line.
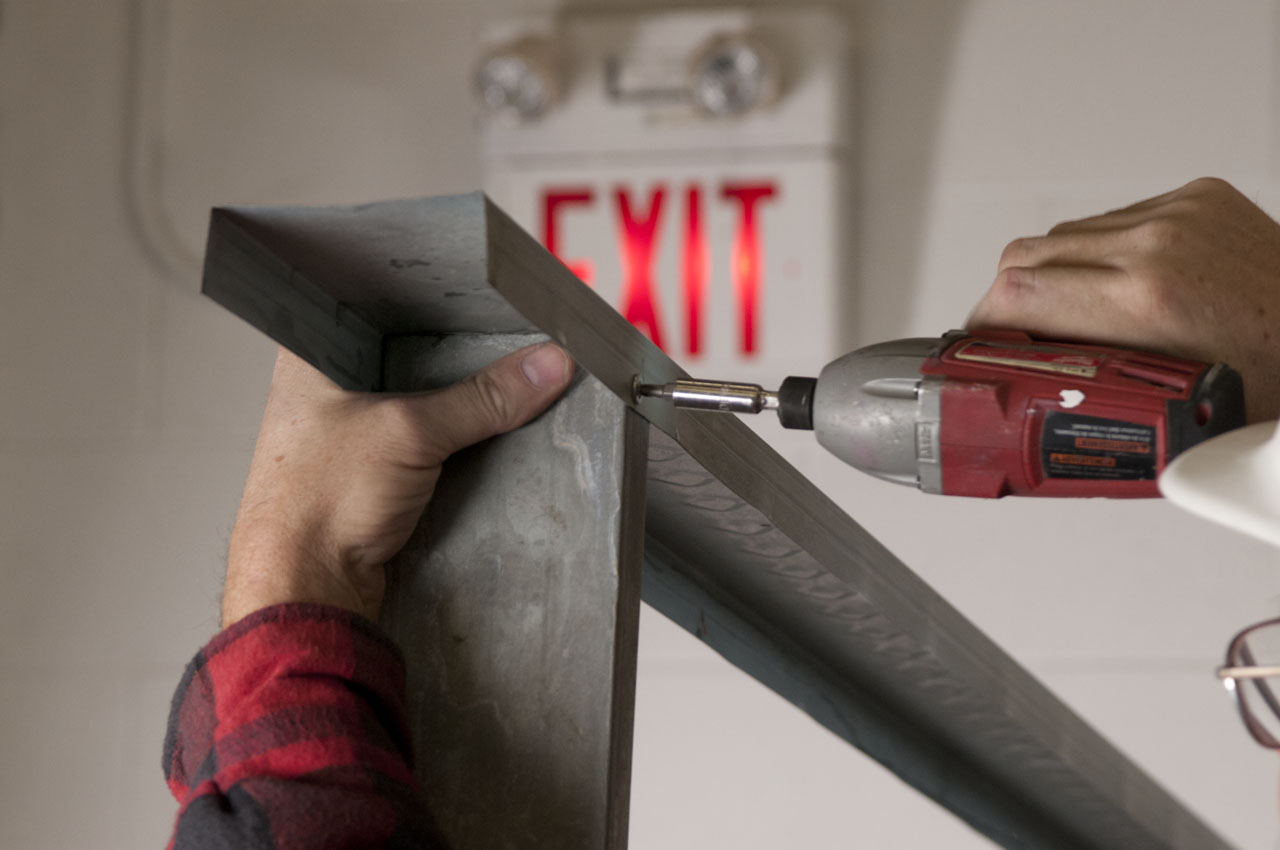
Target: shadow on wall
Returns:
[[902, 55]]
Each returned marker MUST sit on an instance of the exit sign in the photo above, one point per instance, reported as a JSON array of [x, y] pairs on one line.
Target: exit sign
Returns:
[[727, 270], [724, 240]]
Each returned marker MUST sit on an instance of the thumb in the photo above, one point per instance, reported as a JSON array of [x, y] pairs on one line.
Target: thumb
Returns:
[[500, 397]]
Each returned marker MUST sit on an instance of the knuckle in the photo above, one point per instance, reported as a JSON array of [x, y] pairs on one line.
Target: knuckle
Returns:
[[1208, 186], [1016, 252], [1013, 282], [490, 398], [1006, 295]]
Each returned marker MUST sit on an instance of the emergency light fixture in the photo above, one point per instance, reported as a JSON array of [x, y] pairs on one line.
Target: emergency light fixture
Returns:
[[727, 75]]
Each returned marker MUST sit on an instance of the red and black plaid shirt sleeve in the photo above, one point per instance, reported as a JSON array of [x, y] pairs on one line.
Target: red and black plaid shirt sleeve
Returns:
[[288, 731]]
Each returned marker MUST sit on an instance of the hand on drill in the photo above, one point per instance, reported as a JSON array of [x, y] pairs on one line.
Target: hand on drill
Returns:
[[1193, 273], [339, 479]]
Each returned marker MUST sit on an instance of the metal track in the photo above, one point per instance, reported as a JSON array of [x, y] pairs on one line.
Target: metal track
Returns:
[[740, 549]]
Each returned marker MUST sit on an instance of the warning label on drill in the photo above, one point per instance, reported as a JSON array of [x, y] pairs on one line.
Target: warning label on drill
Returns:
[[1088, 447]]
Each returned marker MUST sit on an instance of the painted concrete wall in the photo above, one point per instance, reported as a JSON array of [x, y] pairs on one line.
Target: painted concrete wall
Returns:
[[128, 405]]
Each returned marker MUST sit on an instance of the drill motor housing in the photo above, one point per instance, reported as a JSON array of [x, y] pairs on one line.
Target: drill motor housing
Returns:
[[998, 413]]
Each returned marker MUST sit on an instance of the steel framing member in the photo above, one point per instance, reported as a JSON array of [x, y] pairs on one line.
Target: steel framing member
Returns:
[[738, 547]]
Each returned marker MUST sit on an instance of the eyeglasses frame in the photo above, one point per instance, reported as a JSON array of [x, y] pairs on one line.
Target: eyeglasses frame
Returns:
[[1232, 672]]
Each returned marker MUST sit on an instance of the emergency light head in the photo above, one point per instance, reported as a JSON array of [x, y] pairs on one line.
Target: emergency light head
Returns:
[[519, 81], [1232, 479], [732, 75]]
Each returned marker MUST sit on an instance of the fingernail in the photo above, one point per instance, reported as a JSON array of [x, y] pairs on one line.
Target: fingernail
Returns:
[[545, 366]]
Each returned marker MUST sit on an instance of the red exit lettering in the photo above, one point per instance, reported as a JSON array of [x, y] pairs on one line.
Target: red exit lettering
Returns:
[[552, 201], [639, 218]]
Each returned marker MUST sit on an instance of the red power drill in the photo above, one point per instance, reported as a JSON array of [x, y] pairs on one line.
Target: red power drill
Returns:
[[996, 413]]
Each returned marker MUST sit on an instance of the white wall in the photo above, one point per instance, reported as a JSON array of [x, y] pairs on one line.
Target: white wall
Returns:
[[129, 404]]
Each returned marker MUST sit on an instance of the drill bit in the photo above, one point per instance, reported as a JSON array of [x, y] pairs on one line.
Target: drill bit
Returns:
[[721, 396]]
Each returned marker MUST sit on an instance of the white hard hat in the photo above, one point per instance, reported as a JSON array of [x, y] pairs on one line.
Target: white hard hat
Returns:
[[1232, 479]]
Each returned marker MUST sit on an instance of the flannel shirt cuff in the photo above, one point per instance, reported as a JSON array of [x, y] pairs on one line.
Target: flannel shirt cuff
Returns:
[[291, 722]]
